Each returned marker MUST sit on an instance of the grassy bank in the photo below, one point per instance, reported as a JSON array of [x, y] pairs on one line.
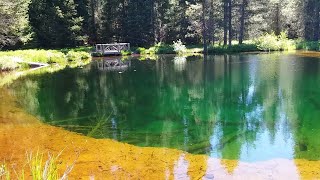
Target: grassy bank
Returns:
[[14, 64]]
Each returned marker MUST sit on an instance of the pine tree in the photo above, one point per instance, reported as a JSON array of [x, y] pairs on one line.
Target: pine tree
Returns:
[[55, 23]]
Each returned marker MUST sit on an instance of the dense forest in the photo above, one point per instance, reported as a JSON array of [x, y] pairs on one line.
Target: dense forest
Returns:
[[60, 23]]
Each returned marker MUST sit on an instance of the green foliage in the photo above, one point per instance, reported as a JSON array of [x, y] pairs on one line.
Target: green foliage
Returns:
[[126, 53], [97, 54], [14, 27], [45, 56], [164, 49], [232, 49], [272, 42], [308, 45], [55, 23], [140, 50], [157, 49], [87, 49], [77, 56], [41, 56]]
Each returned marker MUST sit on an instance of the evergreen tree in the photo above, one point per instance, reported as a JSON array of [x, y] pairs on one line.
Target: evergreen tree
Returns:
[[55, 23], [14, 27]]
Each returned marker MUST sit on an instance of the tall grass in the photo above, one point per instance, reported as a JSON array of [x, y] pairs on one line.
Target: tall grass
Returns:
[[4, 172], [47, 56], [38, 168], [8, 63]]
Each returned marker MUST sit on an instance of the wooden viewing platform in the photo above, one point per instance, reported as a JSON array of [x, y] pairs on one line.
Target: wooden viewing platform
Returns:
[[112, 49]]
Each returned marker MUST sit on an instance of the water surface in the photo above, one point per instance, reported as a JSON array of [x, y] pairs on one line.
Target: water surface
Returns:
[[245, 107]]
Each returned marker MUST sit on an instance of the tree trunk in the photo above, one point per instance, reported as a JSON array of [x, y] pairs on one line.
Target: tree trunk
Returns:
[[277, 20], [225, 22], [230, 21], [211, 26], [204, 30], [317, 22], [242, 20], [93, 21]]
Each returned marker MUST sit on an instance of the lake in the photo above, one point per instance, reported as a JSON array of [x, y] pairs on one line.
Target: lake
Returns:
[[247, 107]]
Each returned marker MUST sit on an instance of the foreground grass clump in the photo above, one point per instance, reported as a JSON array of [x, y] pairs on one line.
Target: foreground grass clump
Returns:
[[38, 169]]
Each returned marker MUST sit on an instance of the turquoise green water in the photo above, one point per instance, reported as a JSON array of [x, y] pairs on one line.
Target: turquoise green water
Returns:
[[246, 107]]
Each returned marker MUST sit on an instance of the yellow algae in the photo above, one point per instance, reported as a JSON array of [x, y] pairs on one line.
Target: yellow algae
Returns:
[[21, 133], [230, 165], [12, 115], [308, 169]]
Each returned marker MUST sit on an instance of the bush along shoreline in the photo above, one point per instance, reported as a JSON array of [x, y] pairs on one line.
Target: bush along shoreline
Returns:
[[265, 43]]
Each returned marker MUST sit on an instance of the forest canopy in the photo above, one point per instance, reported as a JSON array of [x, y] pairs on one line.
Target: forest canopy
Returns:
[[60, 23]]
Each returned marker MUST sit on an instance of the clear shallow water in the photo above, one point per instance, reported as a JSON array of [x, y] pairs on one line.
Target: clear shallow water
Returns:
[[244, 107]]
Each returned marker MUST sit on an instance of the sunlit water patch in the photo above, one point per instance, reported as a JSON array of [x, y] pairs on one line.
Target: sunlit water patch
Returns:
[[243, 107]]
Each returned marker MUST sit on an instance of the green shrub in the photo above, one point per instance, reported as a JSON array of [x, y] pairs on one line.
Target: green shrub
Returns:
[[164, 49], [97, 54], [140, 50], [237, 48], [126, 53], [272, 42], [268, 42], [54, 57], [308, 45], [77, 56], [73, 56], [157, 49]]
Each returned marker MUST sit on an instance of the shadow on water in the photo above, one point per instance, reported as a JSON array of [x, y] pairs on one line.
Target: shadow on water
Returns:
[[248, 107]]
